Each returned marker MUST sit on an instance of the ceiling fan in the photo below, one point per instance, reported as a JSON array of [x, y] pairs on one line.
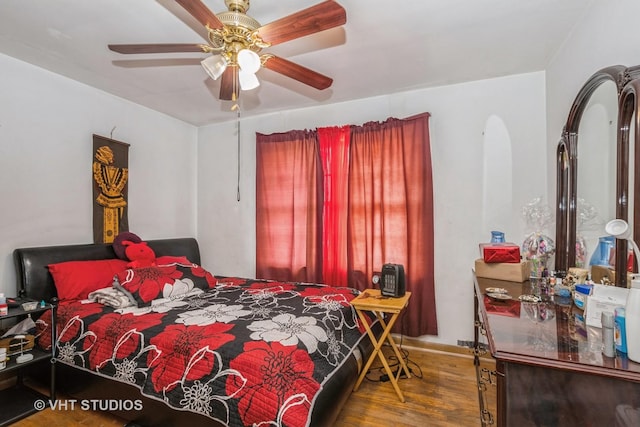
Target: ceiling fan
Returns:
[[235, 39]]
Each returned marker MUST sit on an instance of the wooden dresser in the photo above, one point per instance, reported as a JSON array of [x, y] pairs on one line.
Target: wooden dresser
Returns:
[[548, 372]]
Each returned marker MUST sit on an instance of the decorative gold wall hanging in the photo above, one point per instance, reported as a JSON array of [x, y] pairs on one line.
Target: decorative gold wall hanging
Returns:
[[110, 188]]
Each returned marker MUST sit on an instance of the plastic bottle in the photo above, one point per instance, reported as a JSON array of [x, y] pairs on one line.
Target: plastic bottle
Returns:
[[632, 320], [4, 308], [582, 291], [608, 342], [620, 333], [602, 253], [497, 237]]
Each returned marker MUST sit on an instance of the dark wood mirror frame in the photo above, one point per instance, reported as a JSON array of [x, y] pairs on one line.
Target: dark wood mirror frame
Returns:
[[627, 80]]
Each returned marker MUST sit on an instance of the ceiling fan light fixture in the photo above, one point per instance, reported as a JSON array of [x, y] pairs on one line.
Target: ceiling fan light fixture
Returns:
[[236, 39], [214, 65], [247, 80], [249, 61]]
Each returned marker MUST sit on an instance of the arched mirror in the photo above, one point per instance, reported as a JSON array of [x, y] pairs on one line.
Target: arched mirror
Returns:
[[595, 168], [596, 174], [628, 174]]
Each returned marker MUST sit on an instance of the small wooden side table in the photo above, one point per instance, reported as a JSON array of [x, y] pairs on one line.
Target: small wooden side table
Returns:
[[372, 300]]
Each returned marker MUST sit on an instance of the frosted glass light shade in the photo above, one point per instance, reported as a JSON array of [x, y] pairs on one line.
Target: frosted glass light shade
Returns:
[[214, 66], [249, 61], [247, 80]]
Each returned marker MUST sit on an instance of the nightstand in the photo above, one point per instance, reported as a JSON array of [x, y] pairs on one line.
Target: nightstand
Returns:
[[20, 401], [372, 300]]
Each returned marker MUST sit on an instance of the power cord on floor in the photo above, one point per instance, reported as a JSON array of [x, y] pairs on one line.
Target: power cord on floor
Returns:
[[378, 374]]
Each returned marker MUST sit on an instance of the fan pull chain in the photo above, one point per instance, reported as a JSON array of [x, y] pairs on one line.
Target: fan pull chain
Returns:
[[238, 133]]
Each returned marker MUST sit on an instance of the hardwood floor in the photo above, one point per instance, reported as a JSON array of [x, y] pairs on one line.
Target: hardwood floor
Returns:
[[441, 393]]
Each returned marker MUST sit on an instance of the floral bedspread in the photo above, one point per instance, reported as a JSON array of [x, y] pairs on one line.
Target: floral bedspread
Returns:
[[242, 352]]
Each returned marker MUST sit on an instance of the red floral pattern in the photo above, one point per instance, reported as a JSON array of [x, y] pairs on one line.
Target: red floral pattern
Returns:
[[178, 344], [231, 281], [68, 324], [149, 283], [272, 287], [111, 329], [274, 374], [201, 272], [329, 293], [216, 367]]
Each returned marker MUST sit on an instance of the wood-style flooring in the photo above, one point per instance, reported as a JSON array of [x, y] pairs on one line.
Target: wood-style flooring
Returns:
[[442, 392]]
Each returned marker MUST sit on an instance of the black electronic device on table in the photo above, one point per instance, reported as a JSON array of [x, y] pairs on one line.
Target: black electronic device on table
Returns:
[[13, 302], [392, 281]]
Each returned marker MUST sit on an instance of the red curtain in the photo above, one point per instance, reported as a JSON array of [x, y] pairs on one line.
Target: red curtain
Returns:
[[375, 207], [391, 211], [334, 152], [288, 200]]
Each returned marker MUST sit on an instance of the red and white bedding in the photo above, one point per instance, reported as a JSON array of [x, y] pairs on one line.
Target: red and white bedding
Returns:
[[240, 351]]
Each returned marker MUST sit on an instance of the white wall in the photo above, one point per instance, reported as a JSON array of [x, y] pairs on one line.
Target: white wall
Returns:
[[226, 227], [606, 35], [46, 127]]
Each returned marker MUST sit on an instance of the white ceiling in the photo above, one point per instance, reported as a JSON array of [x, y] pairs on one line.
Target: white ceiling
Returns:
[[385, 47]]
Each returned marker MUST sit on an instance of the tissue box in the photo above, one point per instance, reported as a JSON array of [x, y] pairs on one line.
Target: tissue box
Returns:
[[603, 298], [513, 272], [505, 252]]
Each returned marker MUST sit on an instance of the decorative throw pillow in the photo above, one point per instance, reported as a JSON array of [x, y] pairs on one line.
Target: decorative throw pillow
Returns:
[[170, 259], [163, 281], [74, 280]]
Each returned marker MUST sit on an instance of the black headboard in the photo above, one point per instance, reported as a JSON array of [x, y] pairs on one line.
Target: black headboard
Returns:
[[35, 281]]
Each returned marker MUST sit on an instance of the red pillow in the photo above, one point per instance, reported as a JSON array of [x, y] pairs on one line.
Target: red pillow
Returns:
[[76, 279], [168, 259]]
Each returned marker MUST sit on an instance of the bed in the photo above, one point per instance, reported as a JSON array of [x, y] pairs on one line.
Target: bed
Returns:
[[221, 351]]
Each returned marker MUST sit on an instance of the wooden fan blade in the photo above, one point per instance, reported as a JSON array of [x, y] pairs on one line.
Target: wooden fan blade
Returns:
[[201, 12], [298, 72], [157, 48], [316, 18], [229, 86]]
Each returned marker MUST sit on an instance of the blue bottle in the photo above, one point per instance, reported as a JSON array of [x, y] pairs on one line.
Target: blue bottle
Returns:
[[620, 333], [602, 254], [497, 237]]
